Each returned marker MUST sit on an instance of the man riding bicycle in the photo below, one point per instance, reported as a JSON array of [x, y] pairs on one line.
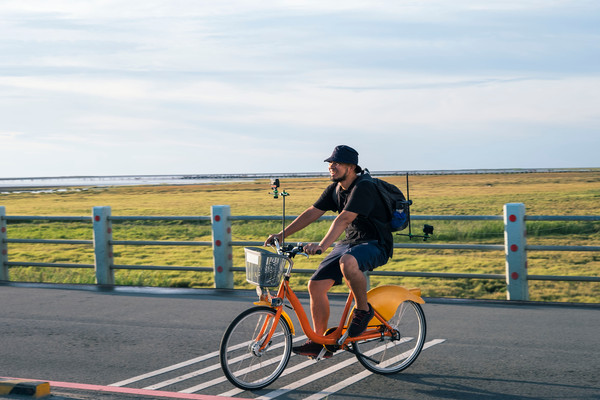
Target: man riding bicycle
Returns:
[[368, 243]]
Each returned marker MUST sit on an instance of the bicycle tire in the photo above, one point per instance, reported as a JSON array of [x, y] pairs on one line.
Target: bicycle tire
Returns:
[[242, 362], [387, 355]]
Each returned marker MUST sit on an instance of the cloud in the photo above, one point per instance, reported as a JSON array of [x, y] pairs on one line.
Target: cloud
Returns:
[[169, 80], [9, 135]]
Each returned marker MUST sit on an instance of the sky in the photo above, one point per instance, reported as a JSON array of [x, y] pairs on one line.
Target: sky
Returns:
[[102, 87]]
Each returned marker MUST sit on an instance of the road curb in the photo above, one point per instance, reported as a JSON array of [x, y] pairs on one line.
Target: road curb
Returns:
[[24, 387]]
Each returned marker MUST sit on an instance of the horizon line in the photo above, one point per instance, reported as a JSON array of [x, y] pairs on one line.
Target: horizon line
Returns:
[[310, 174]]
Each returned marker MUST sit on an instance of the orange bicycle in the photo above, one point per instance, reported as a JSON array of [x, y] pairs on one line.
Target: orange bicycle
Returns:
[[257, 345]]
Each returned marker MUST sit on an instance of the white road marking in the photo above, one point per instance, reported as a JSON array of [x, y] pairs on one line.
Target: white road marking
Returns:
[[276, 393], [222, 379], [358, 377], [314, 377], [166, 369]]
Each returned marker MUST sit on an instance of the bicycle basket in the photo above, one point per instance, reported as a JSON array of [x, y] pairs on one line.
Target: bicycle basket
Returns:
[[264, 268]]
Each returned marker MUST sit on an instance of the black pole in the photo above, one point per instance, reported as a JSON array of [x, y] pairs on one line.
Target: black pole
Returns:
[[283, 223], [408, 208]]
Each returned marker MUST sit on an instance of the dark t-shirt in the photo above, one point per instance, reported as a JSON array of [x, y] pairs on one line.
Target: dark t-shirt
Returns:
[[363, 199]]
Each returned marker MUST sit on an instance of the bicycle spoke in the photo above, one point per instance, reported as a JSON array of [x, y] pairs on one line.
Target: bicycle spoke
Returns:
[[243, 361], [389, 355]]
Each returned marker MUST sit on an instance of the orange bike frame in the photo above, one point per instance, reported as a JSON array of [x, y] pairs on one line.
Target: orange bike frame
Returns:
[[285, 291]]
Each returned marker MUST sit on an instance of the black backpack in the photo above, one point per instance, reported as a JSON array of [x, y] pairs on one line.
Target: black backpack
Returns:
[[397, 207], [396, 204]]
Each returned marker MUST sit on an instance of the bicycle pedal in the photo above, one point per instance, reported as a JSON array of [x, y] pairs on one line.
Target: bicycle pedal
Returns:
[[323, 355]]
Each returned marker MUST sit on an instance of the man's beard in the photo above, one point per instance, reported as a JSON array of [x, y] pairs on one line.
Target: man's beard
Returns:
[[340, 179]]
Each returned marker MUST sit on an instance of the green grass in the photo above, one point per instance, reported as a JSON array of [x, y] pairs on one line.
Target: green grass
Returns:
[[573, 193]]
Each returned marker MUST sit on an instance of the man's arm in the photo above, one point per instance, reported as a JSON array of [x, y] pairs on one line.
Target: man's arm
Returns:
[[309, 216], [336, 229]]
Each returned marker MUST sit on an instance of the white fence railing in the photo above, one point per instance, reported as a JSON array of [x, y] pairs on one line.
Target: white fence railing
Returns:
[[515, 246]]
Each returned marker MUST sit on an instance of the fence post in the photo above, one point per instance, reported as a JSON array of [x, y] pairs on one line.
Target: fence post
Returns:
[[222, 255], [103, 251], [515, 240], [3, 246]]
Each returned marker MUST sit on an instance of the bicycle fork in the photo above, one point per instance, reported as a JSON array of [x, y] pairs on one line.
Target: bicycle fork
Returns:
[[265, 334]]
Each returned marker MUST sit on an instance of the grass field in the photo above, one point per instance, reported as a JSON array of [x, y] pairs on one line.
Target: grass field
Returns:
[[564, 193]]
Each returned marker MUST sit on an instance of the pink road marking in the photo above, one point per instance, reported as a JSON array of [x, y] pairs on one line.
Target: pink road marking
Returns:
[[124, 390]]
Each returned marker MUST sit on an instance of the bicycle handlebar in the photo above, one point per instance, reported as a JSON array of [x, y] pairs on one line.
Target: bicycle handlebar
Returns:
[[290, 250]]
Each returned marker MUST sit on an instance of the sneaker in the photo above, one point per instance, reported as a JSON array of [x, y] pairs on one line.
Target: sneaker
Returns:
[[311, 349], [360, 321]]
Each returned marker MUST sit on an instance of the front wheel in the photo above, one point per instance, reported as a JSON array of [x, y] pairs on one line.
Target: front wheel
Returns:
[[247, 361], [388, 355]]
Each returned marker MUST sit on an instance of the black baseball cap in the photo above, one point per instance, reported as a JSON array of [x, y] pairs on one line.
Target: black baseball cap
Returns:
[[343, 154]]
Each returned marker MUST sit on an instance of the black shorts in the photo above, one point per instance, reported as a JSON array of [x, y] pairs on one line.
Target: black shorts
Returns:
[[369, 255]]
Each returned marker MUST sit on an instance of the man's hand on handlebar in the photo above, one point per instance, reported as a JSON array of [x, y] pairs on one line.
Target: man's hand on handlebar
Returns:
[[313, 248], [271, 239]]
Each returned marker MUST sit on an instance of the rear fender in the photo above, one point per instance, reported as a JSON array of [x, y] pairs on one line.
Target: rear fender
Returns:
[[386, 299]]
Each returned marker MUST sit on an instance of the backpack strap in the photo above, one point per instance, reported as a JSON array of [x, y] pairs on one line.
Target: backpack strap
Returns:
[[336, 193]]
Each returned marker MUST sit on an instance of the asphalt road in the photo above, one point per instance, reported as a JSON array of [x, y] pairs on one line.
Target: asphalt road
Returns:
[[125, 337]]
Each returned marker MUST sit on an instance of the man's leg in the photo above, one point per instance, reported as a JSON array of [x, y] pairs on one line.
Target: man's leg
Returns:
[[356, 280], [319, 303]]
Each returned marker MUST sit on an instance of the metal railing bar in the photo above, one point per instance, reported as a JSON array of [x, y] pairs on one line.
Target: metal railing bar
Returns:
[[448, 275], [162, 268], [272, 217], [296, 270], [436, 217], [414, 217], [562, 218], [161, 218], [457, 217], [41, 264], [449, 246], [256, 243], [481, 247], [47, 218], [570, 278], [50, 241], [291, 217], [249, 243], [158, 243], [408, 245], [563, 248]]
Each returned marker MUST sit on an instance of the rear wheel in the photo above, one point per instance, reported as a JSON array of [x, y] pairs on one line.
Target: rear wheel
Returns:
[[388, 355], [245, 359]]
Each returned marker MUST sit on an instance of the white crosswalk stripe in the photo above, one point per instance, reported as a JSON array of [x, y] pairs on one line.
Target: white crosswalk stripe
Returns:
[[353, 379], [166, 369], [209, 378]]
